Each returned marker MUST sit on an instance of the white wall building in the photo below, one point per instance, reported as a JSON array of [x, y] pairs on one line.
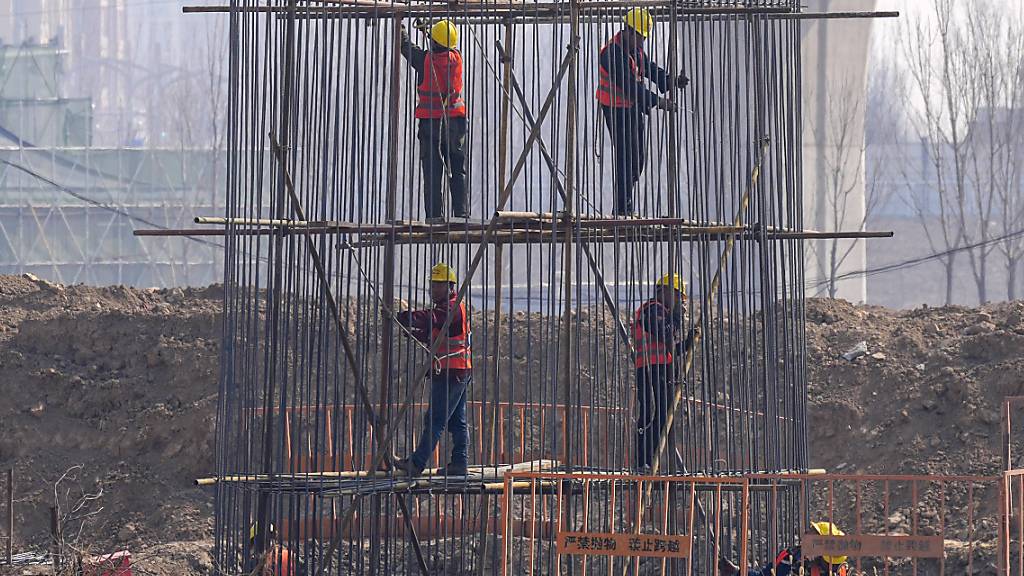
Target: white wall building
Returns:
[[835, 59]]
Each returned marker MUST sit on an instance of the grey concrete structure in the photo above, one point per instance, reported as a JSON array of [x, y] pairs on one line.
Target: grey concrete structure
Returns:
[[835, 63]]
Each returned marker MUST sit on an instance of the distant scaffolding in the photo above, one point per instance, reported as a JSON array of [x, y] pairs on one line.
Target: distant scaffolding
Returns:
[[326, 242]]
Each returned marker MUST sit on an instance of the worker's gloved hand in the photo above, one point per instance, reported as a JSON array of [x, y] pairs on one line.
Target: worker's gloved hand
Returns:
[[682, 81], [421, 24], [667, 105]]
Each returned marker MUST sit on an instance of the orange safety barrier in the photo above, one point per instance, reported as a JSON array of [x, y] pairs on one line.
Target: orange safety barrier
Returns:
[[1013, 524], [893, 525], [899, 524], [1013, 440], [602, 527], [514, 436]]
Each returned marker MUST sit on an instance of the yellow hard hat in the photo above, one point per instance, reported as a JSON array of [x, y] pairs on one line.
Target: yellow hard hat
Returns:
[[253, 531], [674, 281], [640, 19], [442, 272], [829, 529], [445, 33]]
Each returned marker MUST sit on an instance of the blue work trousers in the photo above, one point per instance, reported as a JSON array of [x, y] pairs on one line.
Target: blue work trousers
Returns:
[[447, 411]]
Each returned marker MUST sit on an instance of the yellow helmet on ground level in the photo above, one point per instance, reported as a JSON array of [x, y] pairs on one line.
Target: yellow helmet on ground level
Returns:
[[829, 529], [254, 530], [442, 272], [445, 33], [673, 280], [640, 19]]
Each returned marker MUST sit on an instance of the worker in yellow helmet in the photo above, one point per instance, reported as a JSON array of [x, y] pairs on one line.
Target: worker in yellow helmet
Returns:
[[657, 329], [790, 561], [441, 116], [451, 377], [626, 101]]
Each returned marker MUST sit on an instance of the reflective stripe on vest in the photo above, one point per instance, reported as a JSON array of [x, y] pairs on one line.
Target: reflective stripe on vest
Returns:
[[648, 351], [455, 352], [440, 92], [608, 94]]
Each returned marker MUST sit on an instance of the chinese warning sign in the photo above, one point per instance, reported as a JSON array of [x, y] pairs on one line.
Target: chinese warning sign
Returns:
[[595, 544], [871, 545]]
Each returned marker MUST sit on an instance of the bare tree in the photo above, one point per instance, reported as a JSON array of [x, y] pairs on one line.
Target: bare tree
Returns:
[[216, 86], [996, 149], [965, 64], [73, 507], [844, 151], [939, 71]]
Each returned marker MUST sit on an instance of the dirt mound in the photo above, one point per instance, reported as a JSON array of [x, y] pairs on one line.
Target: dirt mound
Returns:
[[119, 386], [924, 398], [123, 383]]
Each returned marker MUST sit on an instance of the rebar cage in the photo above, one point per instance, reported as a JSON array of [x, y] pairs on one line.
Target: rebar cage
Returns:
[[325, 240]]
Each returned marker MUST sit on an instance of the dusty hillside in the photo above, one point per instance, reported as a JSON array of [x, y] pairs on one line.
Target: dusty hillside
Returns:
[[123, 383], [117, 387], [924, 399]]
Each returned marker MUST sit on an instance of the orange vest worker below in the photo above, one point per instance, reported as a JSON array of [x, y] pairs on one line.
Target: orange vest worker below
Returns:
[[626, 102], [441, 118], [451, 377], [275, 561], [656, 339], [790, 561]]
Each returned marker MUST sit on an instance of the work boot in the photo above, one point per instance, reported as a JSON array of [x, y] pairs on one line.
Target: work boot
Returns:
[[436, 220], [406, 466], [454, 470]]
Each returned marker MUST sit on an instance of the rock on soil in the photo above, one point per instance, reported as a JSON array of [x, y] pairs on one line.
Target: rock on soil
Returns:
[[123, 383]]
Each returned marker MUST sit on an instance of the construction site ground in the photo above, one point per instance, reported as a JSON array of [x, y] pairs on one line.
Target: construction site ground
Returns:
[[115, 390]]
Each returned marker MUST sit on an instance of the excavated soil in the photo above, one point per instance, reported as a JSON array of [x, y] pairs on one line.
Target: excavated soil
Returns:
[[116, 389]]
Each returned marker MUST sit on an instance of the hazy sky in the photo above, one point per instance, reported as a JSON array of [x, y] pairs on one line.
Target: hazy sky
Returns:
[[910, 9]]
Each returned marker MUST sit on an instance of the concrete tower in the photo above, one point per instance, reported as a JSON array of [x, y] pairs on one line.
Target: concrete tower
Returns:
[[835, 56]]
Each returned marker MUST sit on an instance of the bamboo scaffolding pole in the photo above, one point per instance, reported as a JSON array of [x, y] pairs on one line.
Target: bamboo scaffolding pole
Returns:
[[547, 12], [683, 233], [10, 516]]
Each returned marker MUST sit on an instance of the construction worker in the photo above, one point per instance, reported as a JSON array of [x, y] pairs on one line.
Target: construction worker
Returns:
[[790, 562], [276, 561], [451, 375], [441, 114], [657, 328], [626, 101]]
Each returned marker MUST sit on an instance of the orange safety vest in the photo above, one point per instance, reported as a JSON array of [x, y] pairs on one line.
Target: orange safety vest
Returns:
[[648, 350], [608, 94], [454, 352], [440, 92]]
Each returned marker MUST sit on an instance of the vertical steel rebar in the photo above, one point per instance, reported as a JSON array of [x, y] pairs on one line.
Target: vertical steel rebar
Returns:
[[352, 158], [10, 516]]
